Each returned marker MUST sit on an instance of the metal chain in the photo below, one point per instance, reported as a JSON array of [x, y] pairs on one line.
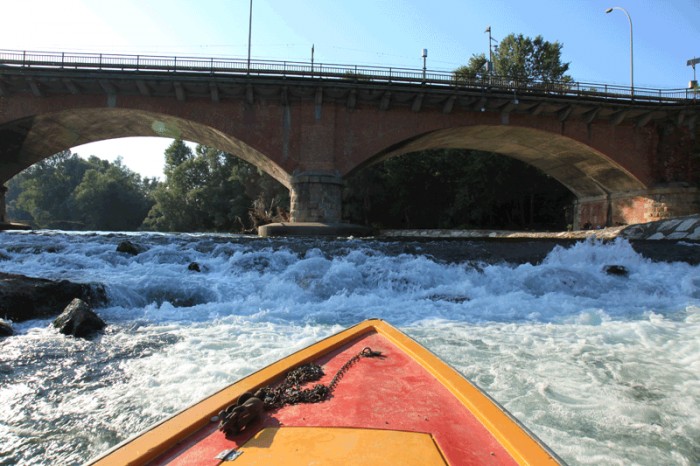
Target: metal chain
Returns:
[[289, 392], [249, 406]]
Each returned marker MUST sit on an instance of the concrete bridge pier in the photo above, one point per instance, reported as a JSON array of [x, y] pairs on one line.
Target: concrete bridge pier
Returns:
[[316, 205], [644, 206], [316, 197]]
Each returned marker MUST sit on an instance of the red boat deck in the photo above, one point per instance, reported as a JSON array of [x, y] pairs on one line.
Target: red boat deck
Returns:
[[394, 393]]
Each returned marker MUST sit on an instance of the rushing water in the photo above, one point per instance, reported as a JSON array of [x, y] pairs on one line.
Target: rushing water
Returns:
[[605, 369]]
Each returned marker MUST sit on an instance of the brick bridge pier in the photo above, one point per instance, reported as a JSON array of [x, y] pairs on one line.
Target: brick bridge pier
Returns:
[[626, 158]]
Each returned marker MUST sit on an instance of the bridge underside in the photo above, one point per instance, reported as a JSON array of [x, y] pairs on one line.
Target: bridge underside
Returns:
[[31, 140], [606, 193], [584, 171]]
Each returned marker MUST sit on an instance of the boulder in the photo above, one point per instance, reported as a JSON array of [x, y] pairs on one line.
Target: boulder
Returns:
[[79, 320], [128, 247], [619, 270], [5, 329], [194, 267], [25, 298]]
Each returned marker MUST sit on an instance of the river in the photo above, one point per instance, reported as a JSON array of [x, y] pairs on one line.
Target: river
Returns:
[[605, 369]]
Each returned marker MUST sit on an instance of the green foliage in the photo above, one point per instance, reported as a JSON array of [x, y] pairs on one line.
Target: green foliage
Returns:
[[112, 198], [208, 190], [476, 68], [455, 189], [68, 192], [527, 59], [204, 191], [520, 59]]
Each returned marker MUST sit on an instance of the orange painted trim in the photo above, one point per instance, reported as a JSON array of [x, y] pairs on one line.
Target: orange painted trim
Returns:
[[515, 439], [153, 442]]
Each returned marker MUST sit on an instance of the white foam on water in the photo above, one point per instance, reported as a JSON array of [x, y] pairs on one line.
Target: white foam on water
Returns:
[[603, 368]]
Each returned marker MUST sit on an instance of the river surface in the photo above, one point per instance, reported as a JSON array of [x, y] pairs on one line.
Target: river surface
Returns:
[[604, 369]]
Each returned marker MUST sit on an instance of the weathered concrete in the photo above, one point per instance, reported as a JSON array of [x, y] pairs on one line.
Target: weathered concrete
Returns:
[[313, 229], [316, 197]]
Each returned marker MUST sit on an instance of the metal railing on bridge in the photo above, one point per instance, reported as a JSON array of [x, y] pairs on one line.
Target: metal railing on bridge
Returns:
[[374, 74]]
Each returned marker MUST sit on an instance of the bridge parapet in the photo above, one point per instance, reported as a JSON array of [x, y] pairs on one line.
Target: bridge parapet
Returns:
[[105, 62]]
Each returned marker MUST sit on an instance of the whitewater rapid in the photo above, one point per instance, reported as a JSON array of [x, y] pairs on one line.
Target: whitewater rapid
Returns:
[[605, 369]]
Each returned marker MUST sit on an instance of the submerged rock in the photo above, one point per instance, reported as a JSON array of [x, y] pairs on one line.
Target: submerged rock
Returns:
[[79, 320], [24, 298], [194, 267], [128, 247], [6, 329], [619, 270]]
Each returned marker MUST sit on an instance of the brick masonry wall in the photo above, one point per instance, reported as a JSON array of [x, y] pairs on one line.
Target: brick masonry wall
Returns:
[[626, 209]]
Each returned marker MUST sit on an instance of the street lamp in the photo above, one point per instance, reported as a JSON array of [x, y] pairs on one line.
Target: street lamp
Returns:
[[425, 57], [489, 66], [631, 45], [250, 30]]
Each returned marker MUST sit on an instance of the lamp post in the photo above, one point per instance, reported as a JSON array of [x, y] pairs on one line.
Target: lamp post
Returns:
[[489, 66], [425, 57], [250, 30], [693, 85], [609, 10]]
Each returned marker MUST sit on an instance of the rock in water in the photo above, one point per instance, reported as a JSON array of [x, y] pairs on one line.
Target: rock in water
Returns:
[[194, 267], [129, 248], [619, 270], [5, 329], [79, 320], [24, 298]]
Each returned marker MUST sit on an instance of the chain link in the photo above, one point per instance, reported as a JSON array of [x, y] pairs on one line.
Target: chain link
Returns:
[[289, 392], [249, 407]]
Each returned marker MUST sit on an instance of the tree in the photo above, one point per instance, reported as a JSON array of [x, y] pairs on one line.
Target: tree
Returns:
[[454, 188], [521, 59], [528, 59], [476, 68], [208, 190], [112, 198], [41, 194], [68, 192]]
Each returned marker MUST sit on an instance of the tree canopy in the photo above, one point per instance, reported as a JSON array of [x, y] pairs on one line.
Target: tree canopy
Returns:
[[209, 190], [520, 58], [68, 192], [204, 190]]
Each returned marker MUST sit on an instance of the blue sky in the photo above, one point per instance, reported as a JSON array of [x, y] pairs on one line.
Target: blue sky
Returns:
[[376, 32]]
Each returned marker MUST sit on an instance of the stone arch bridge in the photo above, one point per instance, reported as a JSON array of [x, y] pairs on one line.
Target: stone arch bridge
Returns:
[[628, 155]]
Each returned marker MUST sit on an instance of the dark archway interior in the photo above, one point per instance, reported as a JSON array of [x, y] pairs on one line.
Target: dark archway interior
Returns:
[[457, 188]]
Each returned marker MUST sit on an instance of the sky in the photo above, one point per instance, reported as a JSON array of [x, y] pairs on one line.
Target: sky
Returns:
[[666, 34]]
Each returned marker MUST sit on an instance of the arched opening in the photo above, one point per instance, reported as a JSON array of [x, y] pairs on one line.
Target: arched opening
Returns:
[[550, 171], [222, 184], [33, 139], [457, 189], [202, 189]]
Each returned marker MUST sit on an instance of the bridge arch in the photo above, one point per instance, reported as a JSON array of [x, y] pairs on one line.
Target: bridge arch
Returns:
[[41, 136], [309, 126], [586, 172]]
